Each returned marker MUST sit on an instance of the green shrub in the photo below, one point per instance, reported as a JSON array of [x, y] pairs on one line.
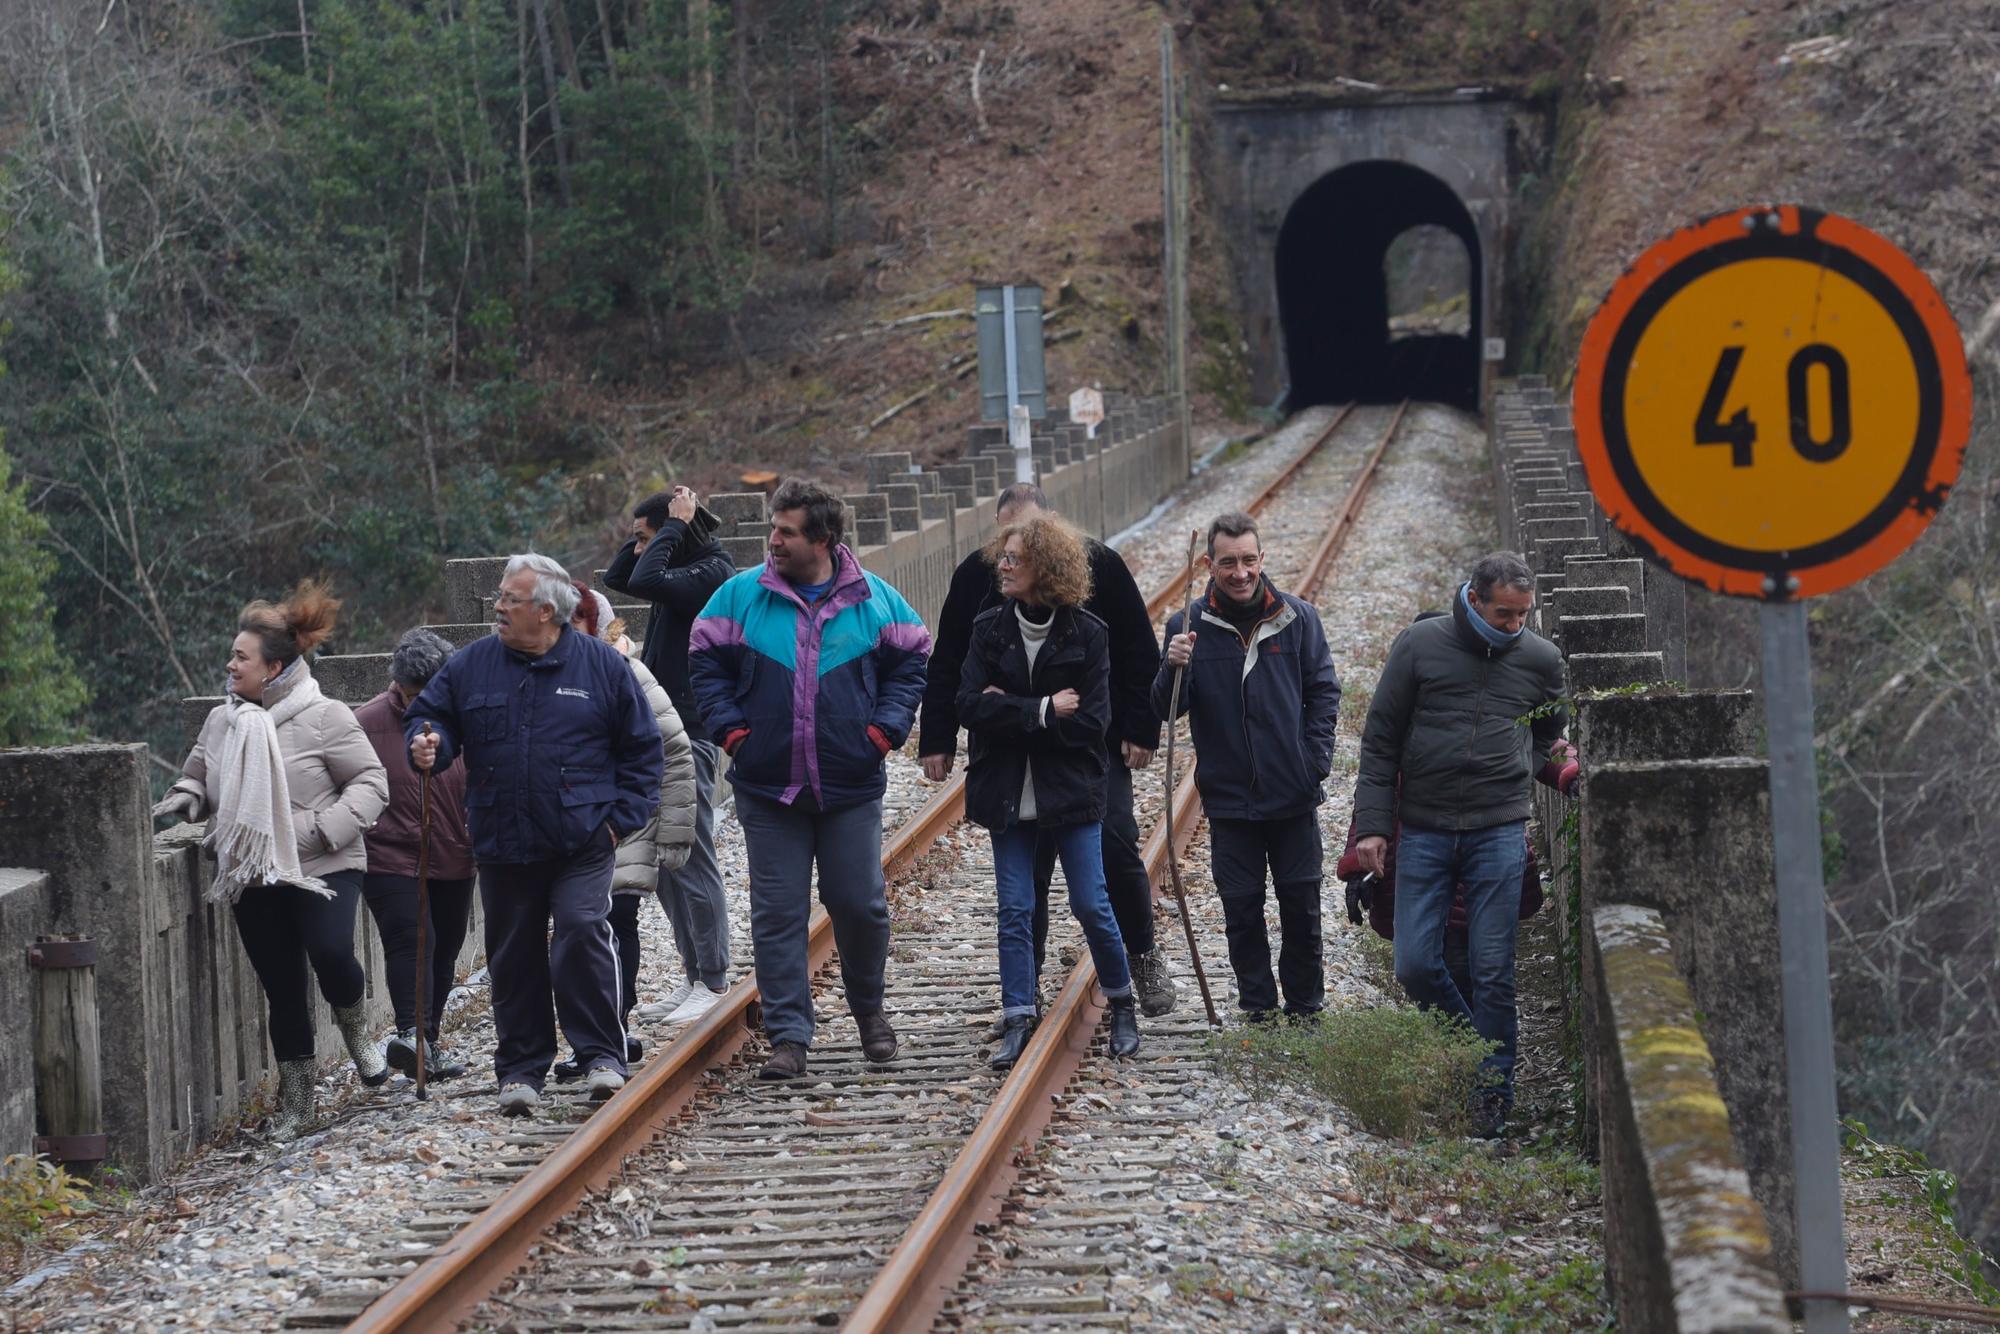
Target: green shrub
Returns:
[[34, 1190], [1400, 1072]]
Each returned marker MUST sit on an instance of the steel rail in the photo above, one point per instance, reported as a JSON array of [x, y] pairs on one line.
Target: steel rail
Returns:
[[1163, 599], [450, 1282], [924, 1269]]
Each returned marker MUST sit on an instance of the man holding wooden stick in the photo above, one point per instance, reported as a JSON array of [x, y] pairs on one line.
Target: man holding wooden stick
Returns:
[[1262, 698]]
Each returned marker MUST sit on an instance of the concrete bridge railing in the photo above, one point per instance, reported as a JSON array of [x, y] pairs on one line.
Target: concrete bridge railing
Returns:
[[184, 1039], [1666, 907]]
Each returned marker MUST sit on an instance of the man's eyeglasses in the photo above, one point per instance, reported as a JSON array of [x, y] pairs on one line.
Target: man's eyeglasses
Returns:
[[506, 598]]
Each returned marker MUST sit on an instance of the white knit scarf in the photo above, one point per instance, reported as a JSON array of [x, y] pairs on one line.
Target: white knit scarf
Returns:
[[251, 831]]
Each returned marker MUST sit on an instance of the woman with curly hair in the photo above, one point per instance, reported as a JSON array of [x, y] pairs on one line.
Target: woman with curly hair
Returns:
[[289, 784], [1035, 698]]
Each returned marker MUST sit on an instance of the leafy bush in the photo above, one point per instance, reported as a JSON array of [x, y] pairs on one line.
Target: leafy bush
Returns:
[[34, 1190], [1400, 1072]]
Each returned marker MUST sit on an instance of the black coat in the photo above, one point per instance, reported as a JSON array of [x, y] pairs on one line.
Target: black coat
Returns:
[[1007, 730], [1460, 724], [677, 574], [1263, 729], [1114, 599]]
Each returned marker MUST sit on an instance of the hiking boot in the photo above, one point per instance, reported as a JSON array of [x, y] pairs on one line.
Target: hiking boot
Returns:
[[652, 1012], [1489, 1114], [698, 1002], [294, 1117], [439, 1063], [635, 1050], [402, 1057], [369, 1067], [604, 1081], [1013, 1041], [1124, 1026], [519, 1099], [1153, 983], [788, 1061], [878, 1040], [1261, 1018]]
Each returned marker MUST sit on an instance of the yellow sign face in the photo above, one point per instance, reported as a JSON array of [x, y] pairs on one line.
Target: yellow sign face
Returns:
[[1773, 403], [1735, 336]]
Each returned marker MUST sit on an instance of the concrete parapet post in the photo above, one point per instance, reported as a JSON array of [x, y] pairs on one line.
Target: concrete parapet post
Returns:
[[1613, 671], [24, 907], [735, 509], [98, 859], [1687, 1248], [1620, 632], [469, 585], [746, 553], [1691, 839]]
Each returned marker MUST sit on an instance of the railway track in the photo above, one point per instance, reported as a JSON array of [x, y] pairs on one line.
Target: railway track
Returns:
[[761, 1207]]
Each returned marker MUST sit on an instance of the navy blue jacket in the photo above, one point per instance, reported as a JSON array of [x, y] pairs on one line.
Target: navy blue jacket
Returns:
[[555, 747], [1261, 713]]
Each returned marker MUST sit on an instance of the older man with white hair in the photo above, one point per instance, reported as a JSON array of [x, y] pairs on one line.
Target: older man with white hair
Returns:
[[563, 759]]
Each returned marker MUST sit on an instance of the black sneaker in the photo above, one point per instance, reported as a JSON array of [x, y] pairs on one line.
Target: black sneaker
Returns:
[[401, 1053], [568, 1072]]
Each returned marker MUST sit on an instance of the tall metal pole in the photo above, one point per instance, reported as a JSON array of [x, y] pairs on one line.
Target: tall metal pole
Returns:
[[1795, 840], [1170, 209]]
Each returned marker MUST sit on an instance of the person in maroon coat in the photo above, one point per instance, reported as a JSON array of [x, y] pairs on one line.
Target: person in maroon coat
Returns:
[[390, 885]]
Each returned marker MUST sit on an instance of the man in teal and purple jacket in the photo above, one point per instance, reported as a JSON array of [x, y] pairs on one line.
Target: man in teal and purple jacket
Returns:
[[809, 672]]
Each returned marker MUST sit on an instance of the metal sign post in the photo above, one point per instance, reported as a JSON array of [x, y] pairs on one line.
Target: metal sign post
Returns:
[[1020, 435], [1012, 367], [1767, 354], [1795, 845]]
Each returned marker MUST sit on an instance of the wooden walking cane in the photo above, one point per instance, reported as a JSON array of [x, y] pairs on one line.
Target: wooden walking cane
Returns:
[[1173, 856], [423, 915]]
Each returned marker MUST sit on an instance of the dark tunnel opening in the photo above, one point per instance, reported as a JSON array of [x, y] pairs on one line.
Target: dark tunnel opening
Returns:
[[1334, 292]]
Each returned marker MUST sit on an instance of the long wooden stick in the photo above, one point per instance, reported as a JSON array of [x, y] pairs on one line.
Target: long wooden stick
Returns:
[[423, 915], [1173, 857]]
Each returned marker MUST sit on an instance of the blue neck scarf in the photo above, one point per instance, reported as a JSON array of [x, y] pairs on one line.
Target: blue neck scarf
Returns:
[[1497, 638]]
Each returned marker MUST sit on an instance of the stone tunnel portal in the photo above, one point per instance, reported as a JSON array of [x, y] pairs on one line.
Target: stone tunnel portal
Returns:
[[1334, 302]]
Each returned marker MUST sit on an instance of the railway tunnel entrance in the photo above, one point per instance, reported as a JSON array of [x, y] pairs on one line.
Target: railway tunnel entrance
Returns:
[[1378, 278], [1368, 232]]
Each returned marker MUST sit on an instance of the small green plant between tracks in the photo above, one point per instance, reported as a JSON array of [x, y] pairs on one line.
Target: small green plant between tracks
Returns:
[[1402, 1073], [34, 1192]]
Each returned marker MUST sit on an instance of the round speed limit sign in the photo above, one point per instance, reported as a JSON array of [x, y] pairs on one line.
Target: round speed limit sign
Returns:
[[1773, 402]]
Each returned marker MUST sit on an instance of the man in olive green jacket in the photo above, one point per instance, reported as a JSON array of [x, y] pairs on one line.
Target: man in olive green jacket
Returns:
[[1467, 707]]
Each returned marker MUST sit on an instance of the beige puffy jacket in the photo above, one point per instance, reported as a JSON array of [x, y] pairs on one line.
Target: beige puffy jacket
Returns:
[[337, 784], [665, 843]]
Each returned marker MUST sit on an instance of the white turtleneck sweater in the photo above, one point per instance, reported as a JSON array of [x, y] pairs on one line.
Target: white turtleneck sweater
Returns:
[[1033, 636]]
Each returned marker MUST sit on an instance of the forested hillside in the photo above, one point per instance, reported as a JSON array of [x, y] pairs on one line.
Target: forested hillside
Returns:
[[352, 285]]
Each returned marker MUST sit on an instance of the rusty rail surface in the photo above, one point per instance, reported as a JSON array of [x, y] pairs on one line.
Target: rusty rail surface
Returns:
[[925, 1267], [455, 1278]]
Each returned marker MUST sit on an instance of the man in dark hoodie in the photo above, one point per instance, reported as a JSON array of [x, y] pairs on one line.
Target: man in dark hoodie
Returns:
[[1262, 701], [1132, 738], [673, 561], [1467, 707]]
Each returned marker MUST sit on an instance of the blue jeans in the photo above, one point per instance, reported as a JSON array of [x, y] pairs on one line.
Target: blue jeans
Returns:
[[1081, 848], [1430, 865]]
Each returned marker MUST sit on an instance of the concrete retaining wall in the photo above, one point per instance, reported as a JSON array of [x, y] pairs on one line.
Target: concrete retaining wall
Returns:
[[181, 1017], [1665, 849]]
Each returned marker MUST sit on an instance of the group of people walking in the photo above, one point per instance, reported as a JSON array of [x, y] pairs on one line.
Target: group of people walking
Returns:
[[572, 775]]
